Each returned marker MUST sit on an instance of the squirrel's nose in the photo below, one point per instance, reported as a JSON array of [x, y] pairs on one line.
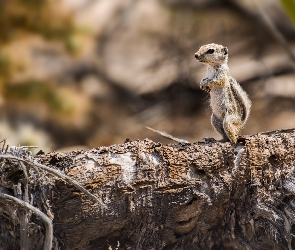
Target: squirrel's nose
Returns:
[[196, 56]]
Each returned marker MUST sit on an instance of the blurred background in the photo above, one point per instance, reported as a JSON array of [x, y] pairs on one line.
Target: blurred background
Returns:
[[87, 73]]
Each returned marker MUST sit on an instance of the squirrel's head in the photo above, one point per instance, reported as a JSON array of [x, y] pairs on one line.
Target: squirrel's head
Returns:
[[212, 54]]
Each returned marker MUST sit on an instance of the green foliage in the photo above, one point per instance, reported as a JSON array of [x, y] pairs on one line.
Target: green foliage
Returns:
[[72, 44], [289, 6], [42, 92], [4, 64], [32, 16]]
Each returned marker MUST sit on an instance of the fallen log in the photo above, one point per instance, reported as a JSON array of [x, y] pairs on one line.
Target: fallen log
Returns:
[[204, 195]]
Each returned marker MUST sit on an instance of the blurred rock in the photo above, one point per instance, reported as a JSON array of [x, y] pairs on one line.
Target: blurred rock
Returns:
[[96, 88], [36, 58], [272, 63], [281, 86]]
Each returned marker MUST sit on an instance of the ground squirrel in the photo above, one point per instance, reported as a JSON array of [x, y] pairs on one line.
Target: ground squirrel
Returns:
[[229, 102]]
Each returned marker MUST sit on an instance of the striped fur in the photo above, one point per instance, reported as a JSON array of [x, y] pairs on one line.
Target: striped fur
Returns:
[[229, 102]]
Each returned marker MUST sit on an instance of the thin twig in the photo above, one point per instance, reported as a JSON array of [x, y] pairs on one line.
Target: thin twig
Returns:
[[57, 173], [24, 218], [164, 134], [44, 217], [28, 147], [3, 140], [3, 146]]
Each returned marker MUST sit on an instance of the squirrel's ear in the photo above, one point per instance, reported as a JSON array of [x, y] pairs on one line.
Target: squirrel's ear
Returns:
[[225, 50]]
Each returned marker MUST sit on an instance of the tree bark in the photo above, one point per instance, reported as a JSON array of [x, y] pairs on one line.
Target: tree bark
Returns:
[[153, 196]]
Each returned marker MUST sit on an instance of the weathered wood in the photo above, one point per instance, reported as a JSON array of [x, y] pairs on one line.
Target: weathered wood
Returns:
[[177, 196]]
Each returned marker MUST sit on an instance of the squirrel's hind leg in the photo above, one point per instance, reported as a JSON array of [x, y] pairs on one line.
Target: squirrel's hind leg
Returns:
[[218, 126]]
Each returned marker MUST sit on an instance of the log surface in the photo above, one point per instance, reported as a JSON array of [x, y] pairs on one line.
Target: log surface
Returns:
[[176, 196]]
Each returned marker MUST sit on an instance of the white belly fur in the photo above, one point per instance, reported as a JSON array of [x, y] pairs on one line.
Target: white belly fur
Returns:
[[217, 100]]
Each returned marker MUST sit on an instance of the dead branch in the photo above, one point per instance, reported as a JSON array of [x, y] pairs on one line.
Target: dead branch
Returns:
[[45, 219], [170, 137], [58, 174]]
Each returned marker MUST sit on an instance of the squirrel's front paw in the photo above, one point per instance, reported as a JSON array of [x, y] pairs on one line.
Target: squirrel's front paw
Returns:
[[205, 88], [204, 85]]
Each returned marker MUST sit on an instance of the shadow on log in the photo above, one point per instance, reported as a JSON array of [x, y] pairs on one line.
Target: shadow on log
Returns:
[[177, 196]]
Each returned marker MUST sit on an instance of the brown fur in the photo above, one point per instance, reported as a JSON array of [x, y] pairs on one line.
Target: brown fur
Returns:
[[229, 102]]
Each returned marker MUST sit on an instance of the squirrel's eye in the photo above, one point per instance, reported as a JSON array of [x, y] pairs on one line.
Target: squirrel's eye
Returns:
[[210, 51]]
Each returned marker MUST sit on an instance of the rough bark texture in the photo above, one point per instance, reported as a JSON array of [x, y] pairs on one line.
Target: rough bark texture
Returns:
[[178, 196]]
